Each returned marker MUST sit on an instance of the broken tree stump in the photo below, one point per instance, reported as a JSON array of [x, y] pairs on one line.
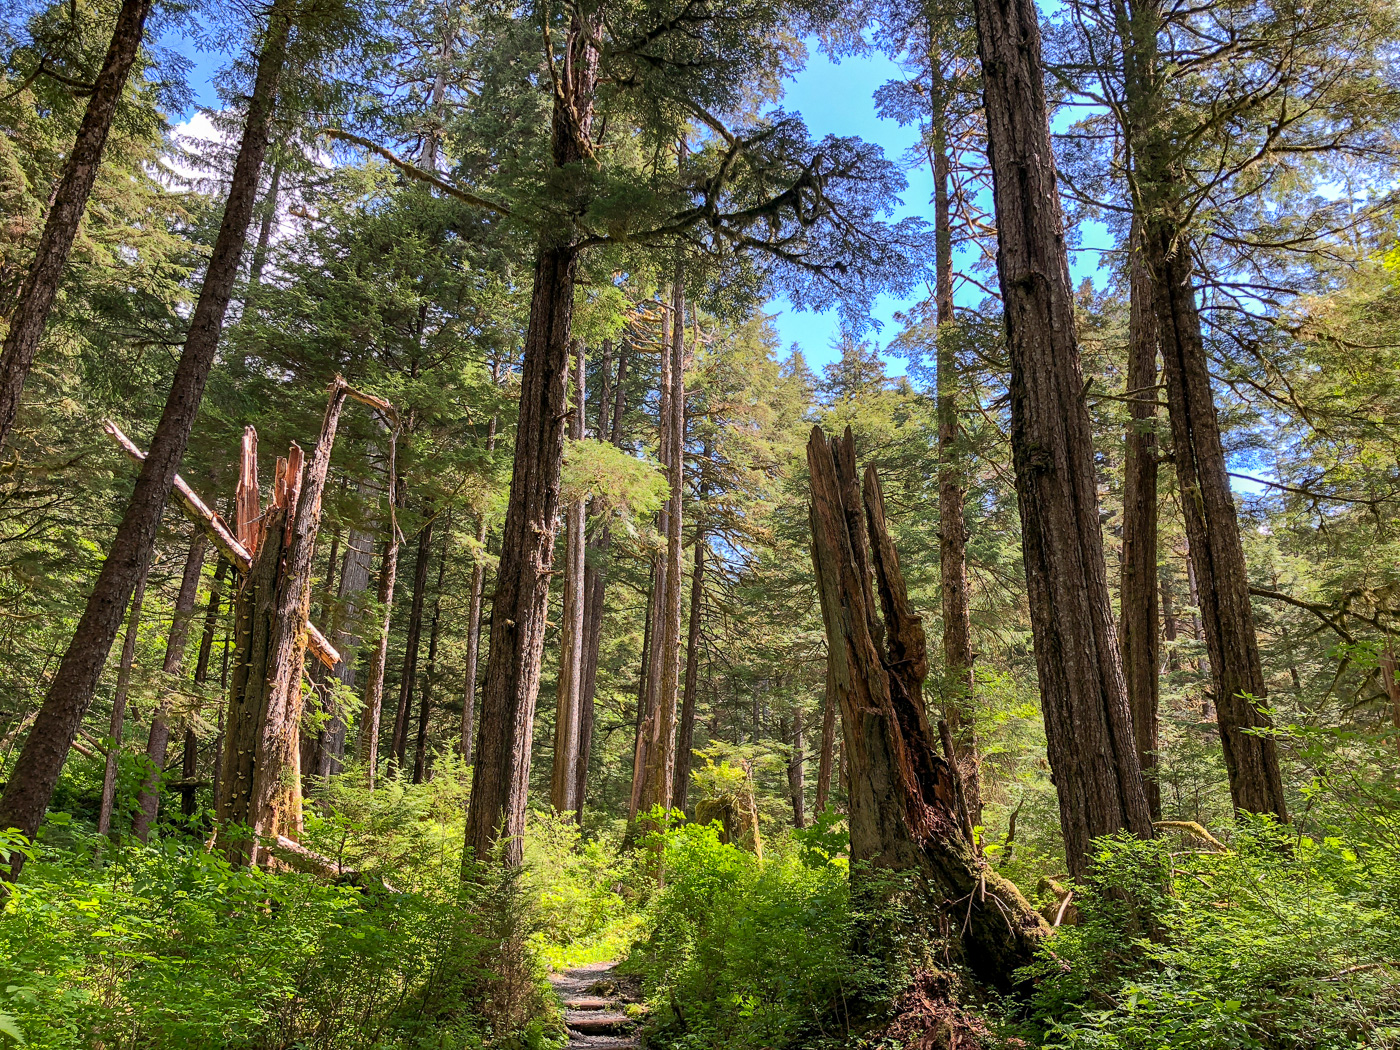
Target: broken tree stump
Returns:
[[228, 545], [260, 780], [905, 812]]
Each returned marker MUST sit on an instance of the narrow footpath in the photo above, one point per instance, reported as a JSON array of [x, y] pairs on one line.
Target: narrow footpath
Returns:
[[595, 1002]]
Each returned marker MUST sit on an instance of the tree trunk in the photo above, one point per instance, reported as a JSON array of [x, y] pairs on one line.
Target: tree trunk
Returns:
[[661, 747], [260, 784], [650, 691], [148, 798], [828, 742], [644, 680], [500, 779], [474, 615], [40, 286], [313, 745], [189, 765], [904, 812], [651, 660], [425, 710], [1169, 628], [595, 589], [409, 678], [368, 747], [1088, 727], [958, 679], [568, 708], [468, 740], [269, 220], [1212, 527], [685, 741], [797, 770], [32, 781], [346, 625], [1138, 584], [109, 773]]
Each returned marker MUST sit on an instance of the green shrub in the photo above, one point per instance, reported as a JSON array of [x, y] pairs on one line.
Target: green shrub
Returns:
[[169, 946], [577, 886], [743, 953], [1283, 941]]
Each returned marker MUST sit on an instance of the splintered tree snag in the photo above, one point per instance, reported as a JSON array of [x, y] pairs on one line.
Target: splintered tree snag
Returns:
[[904, 811], [260, 782], [229, 545], [246, 499]]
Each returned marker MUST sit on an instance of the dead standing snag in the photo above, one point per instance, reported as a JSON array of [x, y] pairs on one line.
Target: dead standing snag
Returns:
[[905, 812]]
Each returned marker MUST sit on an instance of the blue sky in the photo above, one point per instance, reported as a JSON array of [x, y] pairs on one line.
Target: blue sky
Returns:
[[837, 99], [833, 98]]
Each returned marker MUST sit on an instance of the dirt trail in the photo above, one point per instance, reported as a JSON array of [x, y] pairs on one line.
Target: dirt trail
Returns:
[[595, 1001]]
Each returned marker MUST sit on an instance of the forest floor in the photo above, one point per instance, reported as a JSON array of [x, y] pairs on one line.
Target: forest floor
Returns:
[[596, 1002]]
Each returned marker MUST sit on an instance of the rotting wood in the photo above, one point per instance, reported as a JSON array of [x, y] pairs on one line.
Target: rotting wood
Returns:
[[903, 797], [227, 544], [260, 782]]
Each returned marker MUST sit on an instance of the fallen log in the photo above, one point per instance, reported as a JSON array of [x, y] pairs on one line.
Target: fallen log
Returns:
[[195, 508]]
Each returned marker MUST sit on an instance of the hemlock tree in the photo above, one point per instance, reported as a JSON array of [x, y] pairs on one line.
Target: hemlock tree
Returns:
[[36, 296], [758, 195], [35, 774], [1218, 167], [936, 44], [1088, 727]]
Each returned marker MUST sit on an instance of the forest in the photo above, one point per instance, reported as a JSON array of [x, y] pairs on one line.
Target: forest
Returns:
[[441, 608]]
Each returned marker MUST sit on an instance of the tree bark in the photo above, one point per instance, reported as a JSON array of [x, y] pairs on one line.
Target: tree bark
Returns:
[[568, 708], [824, 762], [36, 773], [1138, 583], [66, 213], [148, 798], [128, 657], [661, 747], [904, 813], [260, 784], [685, 739], [409, 678], [425, 710], [1088, 727], [1212, 528]]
